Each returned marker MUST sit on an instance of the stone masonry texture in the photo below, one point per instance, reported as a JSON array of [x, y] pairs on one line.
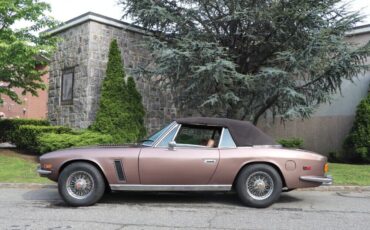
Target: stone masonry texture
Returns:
[[84, 48]]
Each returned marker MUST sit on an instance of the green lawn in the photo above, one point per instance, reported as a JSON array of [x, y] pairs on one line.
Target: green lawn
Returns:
[[346, 174], [16, 169]]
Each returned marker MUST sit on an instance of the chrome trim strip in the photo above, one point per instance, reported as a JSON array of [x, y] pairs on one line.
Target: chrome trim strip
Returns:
[[221, 137], [141, 187], [43, 172], [173, 125], [327, 180]]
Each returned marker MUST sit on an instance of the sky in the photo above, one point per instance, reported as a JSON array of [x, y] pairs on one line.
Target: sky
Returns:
[[63, 10]]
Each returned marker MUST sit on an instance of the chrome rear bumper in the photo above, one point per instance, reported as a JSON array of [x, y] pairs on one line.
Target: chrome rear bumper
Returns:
[[43, 172], [324, 180]]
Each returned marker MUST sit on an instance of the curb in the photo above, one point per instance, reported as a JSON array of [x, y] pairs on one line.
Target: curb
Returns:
[[27, 185], [335, 188], [317, 189]]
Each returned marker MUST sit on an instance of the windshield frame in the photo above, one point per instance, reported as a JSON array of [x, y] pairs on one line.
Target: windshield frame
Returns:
[[153, 139]]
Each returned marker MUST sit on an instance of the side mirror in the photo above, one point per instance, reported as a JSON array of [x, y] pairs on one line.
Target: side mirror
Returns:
[[172, 145]]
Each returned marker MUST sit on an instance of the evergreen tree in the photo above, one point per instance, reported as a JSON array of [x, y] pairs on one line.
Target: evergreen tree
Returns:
[[136, 108], [243, 58], [117, 114], [357, 144]]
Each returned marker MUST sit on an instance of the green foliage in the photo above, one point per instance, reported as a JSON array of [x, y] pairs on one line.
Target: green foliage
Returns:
[[136, 109], [25, 137], [19, 48], [242, 58], [293, 143], [357, 145], [51, 141], [8, 127], [120, 113], [336, 157]]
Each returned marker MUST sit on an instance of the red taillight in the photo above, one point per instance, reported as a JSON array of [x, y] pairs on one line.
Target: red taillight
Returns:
[[307, 167]]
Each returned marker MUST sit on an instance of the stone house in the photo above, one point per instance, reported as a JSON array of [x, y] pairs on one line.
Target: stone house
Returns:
[[78, 68]]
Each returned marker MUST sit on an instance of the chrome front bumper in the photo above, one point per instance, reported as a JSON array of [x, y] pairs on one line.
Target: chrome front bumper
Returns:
[[43, 172], [324, 180]]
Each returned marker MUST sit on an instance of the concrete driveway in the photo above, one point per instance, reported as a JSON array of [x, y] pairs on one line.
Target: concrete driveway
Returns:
[[43, 209]]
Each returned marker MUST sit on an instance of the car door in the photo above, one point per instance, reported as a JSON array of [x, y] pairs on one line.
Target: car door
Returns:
[[190, 162]]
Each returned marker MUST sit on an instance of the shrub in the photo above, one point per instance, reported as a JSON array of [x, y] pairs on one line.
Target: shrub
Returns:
[[357, 144], [25, 137], [335, 157], [136, 109], [9, 126], [120, 113], [51, 141], [293, 143]]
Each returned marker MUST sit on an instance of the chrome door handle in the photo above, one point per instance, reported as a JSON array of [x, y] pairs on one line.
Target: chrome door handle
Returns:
[[209, 161]]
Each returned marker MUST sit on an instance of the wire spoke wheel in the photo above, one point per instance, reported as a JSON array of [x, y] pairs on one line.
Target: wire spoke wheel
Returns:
[[80, 185], [260, 185]]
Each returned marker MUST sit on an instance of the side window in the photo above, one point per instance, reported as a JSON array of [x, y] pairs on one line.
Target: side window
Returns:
[[227, 140], [199, 135], [168, 138]]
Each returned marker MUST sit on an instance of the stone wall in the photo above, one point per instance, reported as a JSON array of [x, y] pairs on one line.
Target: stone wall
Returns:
[[85, 48]]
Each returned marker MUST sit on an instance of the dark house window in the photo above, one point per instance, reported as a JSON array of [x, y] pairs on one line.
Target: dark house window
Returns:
[[67, 87]]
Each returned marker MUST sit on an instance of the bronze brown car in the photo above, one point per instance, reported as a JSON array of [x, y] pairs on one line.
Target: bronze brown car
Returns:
[[190, 154]]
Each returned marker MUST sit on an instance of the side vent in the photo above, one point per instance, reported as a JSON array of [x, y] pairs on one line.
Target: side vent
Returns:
[[119, 170]]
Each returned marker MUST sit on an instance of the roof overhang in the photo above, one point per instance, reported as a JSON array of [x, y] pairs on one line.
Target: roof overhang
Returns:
[[364, 29], [91, 16]]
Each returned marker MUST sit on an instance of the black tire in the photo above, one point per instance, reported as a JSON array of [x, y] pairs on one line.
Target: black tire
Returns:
[[247, 196], [90, 173]]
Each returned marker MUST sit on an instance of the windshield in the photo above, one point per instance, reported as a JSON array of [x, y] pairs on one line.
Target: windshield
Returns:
[[151, 139]]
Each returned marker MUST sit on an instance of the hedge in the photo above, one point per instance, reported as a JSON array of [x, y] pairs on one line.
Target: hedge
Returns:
[[292, 143], [9, 126], [48, 142], [25, 137]]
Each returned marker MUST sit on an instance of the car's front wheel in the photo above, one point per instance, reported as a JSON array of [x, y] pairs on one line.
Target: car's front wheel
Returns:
[[81, 184], [258, 185]]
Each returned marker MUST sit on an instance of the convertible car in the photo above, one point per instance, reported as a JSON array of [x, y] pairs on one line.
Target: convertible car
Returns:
[[189, 154]]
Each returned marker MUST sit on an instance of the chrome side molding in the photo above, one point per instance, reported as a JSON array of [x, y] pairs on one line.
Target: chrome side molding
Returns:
[[142, 187]]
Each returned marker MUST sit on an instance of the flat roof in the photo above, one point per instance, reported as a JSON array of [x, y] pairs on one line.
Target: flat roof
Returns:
[[91, 16], [363, 29]]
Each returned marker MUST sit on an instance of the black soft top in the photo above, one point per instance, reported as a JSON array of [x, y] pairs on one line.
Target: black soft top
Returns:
[[244, 133]]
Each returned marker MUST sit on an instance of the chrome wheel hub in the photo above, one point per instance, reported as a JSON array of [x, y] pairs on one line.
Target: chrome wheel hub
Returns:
[[259, 185], [80, 184]]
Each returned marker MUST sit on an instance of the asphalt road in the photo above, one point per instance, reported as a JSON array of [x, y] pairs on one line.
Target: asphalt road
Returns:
[[27, 209]]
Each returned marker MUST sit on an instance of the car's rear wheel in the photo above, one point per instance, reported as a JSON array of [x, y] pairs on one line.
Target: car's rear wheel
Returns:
[[81, 184], [258, 185]]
